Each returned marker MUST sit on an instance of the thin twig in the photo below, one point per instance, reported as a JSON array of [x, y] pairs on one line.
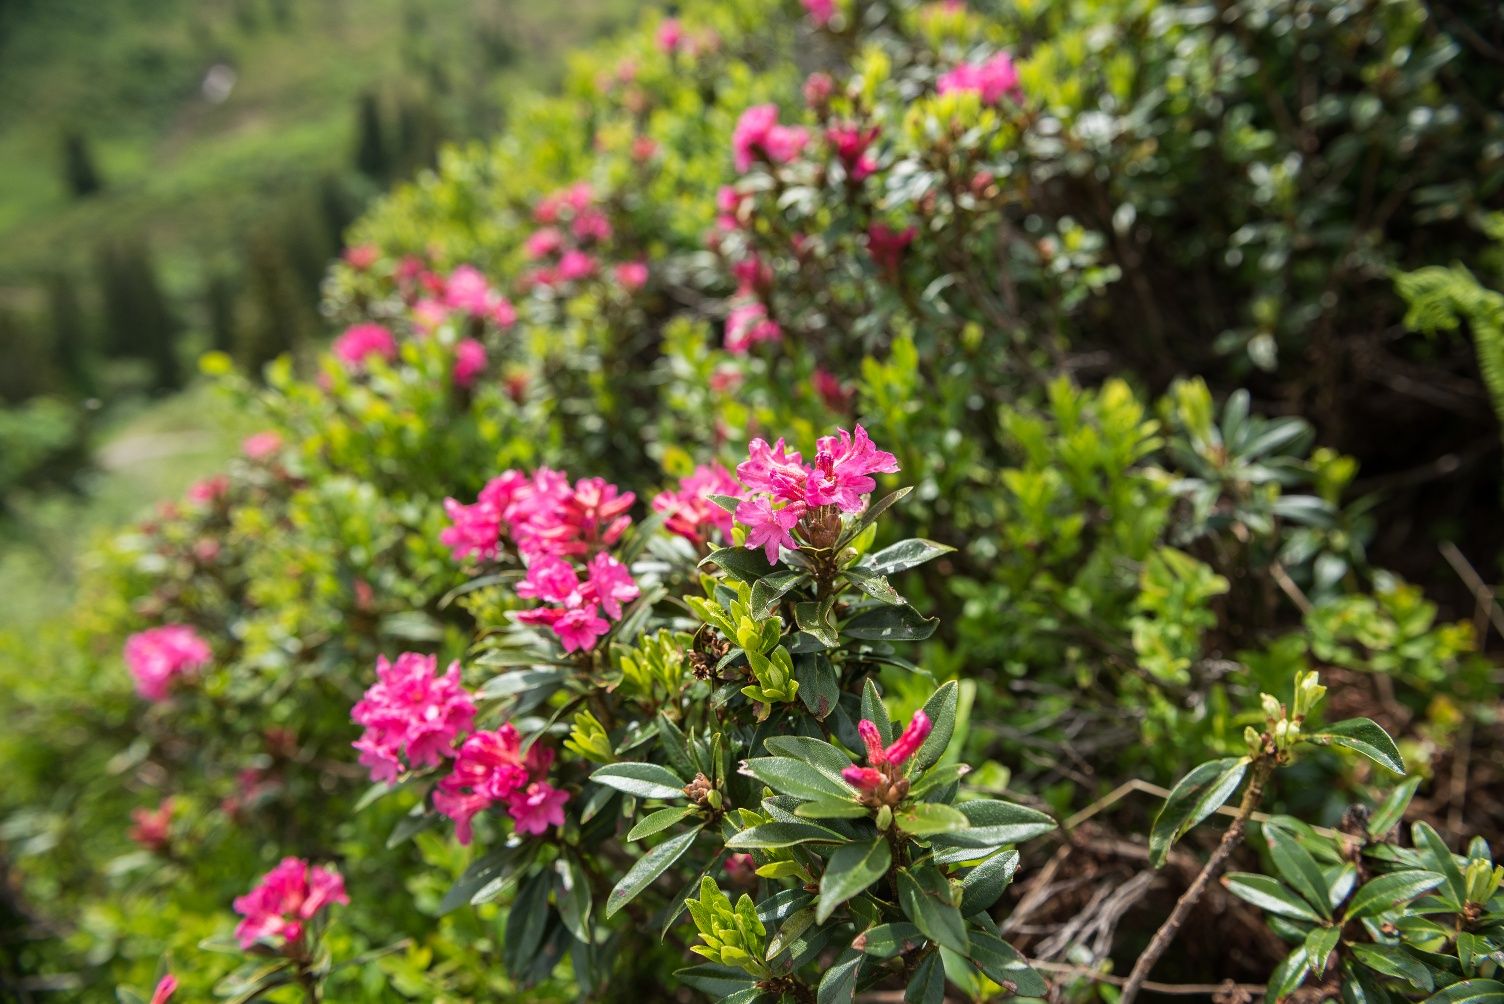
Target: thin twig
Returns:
[[1230, 840], [1135, 785], [1483, 596]]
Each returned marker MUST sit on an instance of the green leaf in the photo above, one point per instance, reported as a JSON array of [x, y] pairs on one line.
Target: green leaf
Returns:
[[1194, 797], [1269, 894], [659, 821], [1365, 736], [1002, 963], [838, 985], [1394, 961], [527, 918], [645, 780], [1389, 812], [927, 985], [648, 867], [772, 835], [889, 624], [874, 711], [746, 564], [795, 777], [767, 591], [1289, 974], [1319, 946], [995, 822], [849, 870], [572, 893], [941, 710], [1424, 834], [1387, 892], [906, 554], [887, 940], [798, 922], [490, 871], [875, 586], [926, 898], [984, 884], [1299, 869], [920, 819], [816, 752], [823, 809], [1478, 991]]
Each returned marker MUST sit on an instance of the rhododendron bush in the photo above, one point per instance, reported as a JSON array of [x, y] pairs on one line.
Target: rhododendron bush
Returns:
[[851, 500]]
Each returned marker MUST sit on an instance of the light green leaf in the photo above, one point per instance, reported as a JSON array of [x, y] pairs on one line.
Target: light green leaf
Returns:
[[1300, 871], [659, 821], [906, 554], [645, 780], [1365, 736], [1194, 797], [849, 870], [926, 898], [921, 819], [773, 835], [795, 777], [1387, 892]]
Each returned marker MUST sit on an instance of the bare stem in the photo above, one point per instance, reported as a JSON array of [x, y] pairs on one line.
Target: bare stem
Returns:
[[1262, 768]]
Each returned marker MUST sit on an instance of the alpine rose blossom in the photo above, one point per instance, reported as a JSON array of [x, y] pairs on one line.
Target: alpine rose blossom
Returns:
[[884, 762], [820, 11], [166, 987], [851, 144], [611, 585], [161, 655], [363, 341], [632, 275], [261, 445], [690, 513], [769, 528], [887, 246], [670, 35], [151, 829], [492, 768], [469, 362], [286, 898], [748, 324], [991, 81], [413, 712], [758, 134]]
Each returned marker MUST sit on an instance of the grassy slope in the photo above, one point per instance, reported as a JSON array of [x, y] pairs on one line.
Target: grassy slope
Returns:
[[193, 174]]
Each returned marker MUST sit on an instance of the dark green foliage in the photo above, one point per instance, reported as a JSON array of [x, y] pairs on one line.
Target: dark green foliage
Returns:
[[79, 172]]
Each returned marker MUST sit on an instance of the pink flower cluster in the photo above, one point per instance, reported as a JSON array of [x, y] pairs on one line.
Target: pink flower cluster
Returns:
[[852, 145], [887, 246], [491, 768], [783, 489], [690, 513], [759, 135], [820, 11], [151, 829], [360, 342], [468, 292], [540, 514], [897, 753], [578, 603], [573, 226], [261, 445], [469, 362], [159, 656], [991, 80], [747, 324], [286, 898], [413, 712], [551, 522]]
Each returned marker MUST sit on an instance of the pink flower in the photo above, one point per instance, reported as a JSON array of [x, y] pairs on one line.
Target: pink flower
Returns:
[[591, 225], [991, 80], [411, 712], [728, 204], [503, 313], [752, 275], [768, 528], [429, 313], [851, 145], [160, 655], [152, 828], [758, 134], [835, 396], [741, 869], [468, 290], [818, 87], [820, 11], [286, 898], [469, 362], [842, 469], [362, 341], [610, 584], [491, 768], [670, 35], [537, 807], [884, 763], [749, 324], [551, 579], [575, 264], [887, 246], [774, 469], [577, 627], [166, 987], [543, 243], [209, 490], [361, 256], [690, 513], [632, 275], [644, 148], [261, 445]]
